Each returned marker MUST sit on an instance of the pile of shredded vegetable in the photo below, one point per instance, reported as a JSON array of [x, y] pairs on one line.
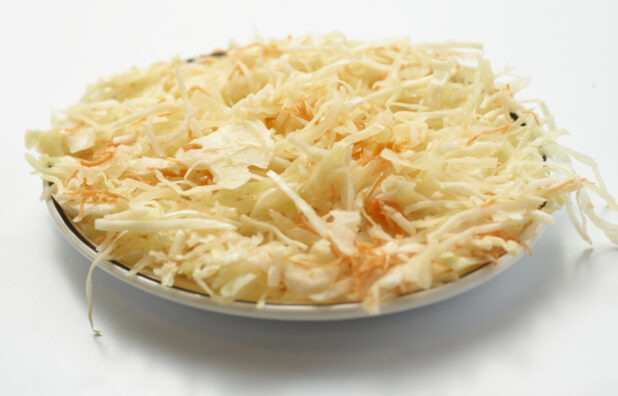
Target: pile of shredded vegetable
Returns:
[[313, 169]]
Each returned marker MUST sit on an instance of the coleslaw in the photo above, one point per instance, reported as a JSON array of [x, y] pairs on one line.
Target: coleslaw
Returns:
[[313, 170]]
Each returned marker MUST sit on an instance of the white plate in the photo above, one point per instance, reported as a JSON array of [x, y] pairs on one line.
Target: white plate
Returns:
[[295, 312]]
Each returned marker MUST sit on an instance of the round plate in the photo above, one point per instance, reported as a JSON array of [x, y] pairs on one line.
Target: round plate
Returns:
[[296, 312]]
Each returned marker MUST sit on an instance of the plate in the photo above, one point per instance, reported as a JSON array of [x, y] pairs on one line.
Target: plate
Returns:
[[292, 312]]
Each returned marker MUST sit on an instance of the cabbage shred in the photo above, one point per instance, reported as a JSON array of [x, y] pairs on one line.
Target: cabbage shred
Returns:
[[312, 169]]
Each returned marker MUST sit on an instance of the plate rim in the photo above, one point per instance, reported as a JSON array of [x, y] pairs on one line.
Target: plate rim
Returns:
[[286, 312]]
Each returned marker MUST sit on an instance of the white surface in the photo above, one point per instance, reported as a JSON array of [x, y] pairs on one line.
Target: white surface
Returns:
[[546, 326]]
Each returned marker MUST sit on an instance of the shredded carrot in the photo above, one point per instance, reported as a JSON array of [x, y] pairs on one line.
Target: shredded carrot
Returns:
[[236, 71], [362, 155], [375, 209], [129, 175], [94, 192], [93, 196], [301, 222], [383, 175], [508, 89], [171, 174], [103, 159], [137, 122], [99, 239], [302, 110], [75, 128], [563, 185], [536, 119], [196, 88], [73, 175], [503, 128], [356, 277], [269, 122], [487, 203], [191, 146], [205, 177]]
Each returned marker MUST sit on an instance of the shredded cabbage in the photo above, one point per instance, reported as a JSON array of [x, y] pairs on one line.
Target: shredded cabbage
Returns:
[[312, 169]]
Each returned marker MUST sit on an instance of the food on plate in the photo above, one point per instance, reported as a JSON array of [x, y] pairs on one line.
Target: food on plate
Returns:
[[312, 170]]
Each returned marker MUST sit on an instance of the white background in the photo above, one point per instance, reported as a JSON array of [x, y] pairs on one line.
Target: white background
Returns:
[[548, 325]]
